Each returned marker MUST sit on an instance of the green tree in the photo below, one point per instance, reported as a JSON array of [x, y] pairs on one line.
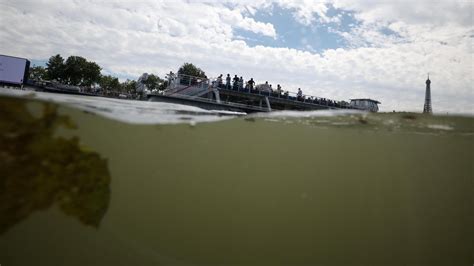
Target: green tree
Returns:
[[153, 82], [55, 68], [191, 70], [163, 85], [109, 83], [38, 73], [129, 86], [92, 74], [78, 71], [74, 70]]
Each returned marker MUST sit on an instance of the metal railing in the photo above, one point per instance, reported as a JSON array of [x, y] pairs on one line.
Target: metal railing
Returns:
[[285, 95], [182, 84]]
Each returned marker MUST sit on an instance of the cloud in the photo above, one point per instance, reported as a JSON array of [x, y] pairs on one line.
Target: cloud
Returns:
[[235, 17], [438, 13], [158, 36], [308, 11]]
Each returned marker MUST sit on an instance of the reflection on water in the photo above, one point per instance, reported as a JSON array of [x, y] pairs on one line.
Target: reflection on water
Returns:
[[39, 170]]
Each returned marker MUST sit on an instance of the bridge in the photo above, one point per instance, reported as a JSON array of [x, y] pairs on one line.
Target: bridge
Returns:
[[212, 94]]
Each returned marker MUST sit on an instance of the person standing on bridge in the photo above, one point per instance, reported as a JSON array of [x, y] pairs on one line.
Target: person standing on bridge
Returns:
[[227, 82], [278, 90], [219, 81], [171, 78], [235, 83], [251, 83], [300, 94]]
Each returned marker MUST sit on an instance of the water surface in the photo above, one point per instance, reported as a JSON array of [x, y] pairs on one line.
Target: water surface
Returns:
[[84, 186]]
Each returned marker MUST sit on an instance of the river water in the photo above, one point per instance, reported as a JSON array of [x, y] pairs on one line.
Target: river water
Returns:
[[96, 181]]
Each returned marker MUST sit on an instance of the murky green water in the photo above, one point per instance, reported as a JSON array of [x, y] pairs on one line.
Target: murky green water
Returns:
[[382, 189]]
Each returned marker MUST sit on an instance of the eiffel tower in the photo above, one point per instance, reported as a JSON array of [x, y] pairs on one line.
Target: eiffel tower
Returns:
[[427, 108]]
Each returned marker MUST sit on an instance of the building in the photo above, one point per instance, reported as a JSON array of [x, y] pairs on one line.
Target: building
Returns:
[[14, 71], [365, 104]]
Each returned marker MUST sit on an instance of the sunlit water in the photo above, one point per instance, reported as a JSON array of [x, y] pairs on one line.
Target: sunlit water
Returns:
[[96, 181]]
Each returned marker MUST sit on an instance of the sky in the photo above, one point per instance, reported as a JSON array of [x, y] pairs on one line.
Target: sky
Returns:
[[336, 49]]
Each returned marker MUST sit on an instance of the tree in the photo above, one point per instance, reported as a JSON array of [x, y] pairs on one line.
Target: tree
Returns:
[[109, 83], [55, 68], [74, 70], [92, 74], [78, 71], [38, 73], [153, 82], [191, 70], [163, 85], [129, 86]]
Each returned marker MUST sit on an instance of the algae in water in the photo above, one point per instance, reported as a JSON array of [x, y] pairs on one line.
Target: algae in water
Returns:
[[39, 169]]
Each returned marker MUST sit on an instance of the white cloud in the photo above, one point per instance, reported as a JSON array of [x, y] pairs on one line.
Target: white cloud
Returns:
[[308, 11], [235, 17], [439, 12], [158, 36]]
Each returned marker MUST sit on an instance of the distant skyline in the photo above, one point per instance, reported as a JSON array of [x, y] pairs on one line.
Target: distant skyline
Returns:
[[336, 49]]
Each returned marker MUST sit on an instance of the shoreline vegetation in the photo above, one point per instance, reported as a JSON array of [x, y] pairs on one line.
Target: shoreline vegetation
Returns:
[[79, 72]]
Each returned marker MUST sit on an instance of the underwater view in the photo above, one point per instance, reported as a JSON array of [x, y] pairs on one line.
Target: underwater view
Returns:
[[99, 181]]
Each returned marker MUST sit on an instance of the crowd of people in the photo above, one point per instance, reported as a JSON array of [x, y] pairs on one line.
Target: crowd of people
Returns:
[[235, 83], [238, 84]]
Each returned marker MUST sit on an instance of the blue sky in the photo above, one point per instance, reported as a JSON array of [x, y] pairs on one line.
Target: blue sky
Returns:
[[292, 34], [38, 62]]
